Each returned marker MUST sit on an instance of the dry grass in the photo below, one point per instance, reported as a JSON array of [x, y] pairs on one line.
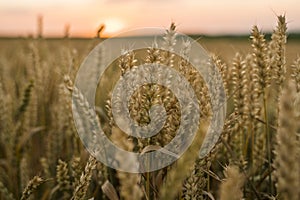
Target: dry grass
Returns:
[[41, 156]]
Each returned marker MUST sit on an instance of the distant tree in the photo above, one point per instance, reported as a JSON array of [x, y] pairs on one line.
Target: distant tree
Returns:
[[100, 30]]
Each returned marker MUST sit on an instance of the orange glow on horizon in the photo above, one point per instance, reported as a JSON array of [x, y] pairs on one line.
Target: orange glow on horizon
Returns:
[[192, 16]]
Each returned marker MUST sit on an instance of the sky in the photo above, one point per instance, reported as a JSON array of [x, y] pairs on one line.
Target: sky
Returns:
[[19, 17]]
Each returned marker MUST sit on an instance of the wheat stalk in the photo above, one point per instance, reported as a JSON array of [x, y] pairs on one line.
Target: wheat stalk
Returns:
[[184, 165]]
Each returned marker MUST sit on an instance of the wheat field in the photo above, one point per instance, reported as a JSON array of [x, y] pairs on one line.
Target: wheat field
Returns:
[[257, 155]]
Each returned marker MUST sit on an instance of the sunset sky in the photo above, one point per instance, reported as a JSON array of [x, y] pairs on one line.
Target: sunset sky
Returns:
[[19, 17]]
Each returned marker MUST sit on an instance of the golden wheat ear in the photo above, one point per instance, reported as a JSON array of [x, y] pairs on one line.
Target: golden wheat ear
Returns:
[[231, 187], [31, 187], [295, 73], [286, 164], [85, 179]]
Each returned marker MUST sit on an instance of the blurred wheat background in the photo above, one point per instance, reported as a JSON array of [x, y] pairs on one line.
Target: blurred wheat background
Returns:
[[256, 157]]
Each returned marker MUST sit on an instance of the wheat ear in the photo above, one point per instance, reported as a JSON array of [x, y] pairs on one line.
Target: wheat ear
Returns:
[[33, 184], [231, 188], [85, 179], [287, 161]]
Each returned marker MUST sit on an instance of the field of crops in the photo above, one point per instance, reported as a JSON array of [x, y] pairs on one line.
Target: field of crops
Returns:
[[257, 155]]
